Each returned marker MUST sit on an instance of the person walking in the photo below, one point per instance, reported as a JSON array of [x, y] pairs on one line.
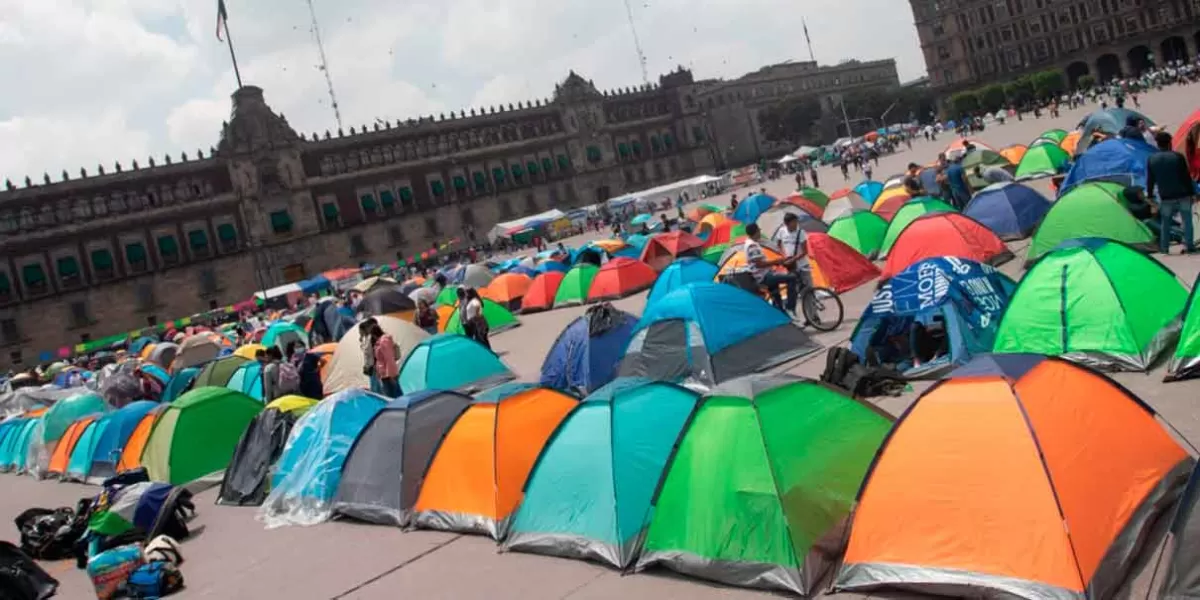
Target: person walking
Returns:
[[473, 314], [387, 362], [1167, 173], [367, 347]]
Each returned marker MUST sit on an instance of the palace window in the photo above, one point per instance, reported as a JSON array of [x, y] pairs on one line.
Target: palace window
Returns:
[[460, 183], [329, 210], [102, 264], [369, 206], [168, 249], [532, 167], [547, 165], [564, 162], [135, 257], [198, 242], [437, 188], [68, 271], [406, 196], [227, 235], [6, 294], [34, 278], [480, 181], [281, 222], [498, 175]]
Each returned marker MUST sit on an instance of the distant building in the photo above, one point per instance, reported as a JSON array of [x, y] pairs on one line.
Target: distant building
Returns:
[[968, 43]]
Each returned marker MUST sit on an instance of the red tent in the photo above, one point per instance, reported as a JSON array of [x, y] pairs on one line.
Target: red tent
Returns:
[[837, 266], [662, 249], [945, 234], [540, 295], [621, 277], [1187, 142], [723, 233], [800, 201]]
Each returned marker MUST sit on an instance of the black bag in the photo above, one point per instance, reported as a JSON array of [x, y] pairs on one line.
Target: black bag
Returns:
[[21, 578], [50, 534], [837, 363]]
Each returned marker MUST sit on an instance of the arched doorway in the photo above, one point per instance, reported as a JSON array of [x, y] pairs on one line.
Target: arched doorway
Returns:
[[1076, 70], [1141, 59], [1108, 68], [1174, 48]]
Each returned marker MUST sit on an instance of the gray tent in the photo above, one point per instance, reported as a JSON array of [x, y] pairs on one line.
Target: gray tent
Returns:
[[1183, 572], [382, 475]]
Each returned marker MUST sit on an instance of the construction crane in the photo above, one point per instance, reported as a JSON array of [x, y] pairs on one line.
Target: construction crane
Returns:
[[637, 44], [324, 66]]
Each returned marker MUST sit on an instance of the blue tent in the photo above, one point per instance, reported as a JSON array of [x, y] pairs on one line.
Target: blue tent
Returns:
[[749, 210], [111, 440], [523, 270], [79, 464], [180, 383], [589, 494], [316, 284], [18, 453], [683, 271], [307, 474], [10, 433], [1119, 160], [449, 361], [586, 354], [709, 333], [1011, 210], [869, 190], [248, 380], [958, 304]]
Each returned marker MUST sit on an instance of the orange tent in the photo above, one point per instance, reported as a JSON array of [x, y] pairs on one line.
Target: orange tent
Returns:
[[662, 249], [621, 277], [837, 266], [1071, 141], [725, 233], [1019, 476], [508, 289], [698, 213], [131, 455], [541, 292], [959, 146], [66, 445], [1014, 153], [325, 351], [475, 481], [710, 222]]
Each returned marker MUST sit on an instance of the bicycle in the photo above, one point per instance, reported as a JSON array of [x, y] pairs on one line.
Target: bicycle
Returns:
[[813, 300]]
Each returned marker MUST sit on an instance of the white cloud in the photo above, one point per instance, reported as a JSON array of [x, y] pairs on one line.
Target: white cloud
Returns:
[[105, 80]]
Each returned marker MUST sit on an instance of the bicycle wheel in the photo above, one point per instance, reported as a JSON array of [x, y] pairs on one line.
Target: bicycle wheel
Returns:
[[822, 308]]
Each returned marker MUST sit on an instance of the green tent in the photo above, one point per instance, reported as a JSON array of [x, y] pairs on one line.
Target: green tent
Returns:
[[197, 434], [762, 483], [907, 214], [1090, 210], [498, 318], [815, 196], [1185, 363], [448, 296], [218, 372], [713, 254], [575, 285], [1055, 135], [862, 230], [1042, 160], [1094, 301], [984, 159]]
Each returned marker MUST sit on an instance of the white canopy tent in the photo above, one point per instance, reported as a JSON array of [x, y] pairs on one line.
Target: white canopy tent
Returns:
[[691, 186], [503, 228], [276, 292]]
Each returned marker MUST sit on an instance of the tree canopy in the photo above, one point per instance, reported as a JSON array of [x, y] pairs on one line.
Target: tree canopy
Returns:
[[790, 120]]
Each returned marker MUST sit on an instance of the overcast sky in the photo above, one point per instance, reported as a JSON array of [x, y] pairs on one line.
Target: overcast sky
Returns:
[[91, 81]]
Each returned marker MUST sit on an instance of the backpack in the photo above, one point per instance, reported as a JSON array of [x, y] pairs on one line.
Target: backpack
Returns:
[[50, 534], [154, 580], [21, 578], [289, 378]]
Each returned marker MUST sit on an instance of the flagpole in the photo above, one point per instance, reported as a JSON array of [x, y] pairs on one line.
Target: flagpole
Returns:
[[808, 39], [232, 55]]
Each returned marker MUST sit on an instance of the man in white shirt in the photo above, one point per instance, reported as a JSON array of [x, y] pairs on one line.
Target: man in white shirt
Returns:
[[793, 244], [765, 275]]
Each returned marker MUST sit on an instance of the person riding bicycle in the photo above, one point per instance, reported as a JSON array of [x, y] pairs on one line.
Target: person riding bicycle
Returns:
[[764, 273], [793, 243]]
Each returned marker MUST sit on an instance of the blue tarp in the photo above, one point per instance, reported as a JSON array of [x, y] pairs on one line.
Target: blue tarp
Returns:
[[749, 210], [580, 362], [1011, 210], [1119, 160], [964, 297], [316, 284], [680, 273]]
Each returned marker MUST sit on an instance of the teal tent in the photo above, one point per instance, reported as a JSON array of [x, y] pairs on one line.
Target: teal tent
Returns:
[[449, 361]]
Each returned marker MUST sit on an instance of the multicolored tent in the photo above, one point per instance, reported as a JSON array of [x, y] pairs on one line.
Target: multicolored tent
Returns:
[[837, 266], [474, 483], [621, 277], [663, 248], [906, 215], [890, 202], [305, 479], [498, 318], [681, 272], [131, 454], [541, 292], [96, 460], [381, 477], [765, 475], [1011, 210], [587, 352], [1097, 302], [589, 494], [983, 159], [709, 333], [574, 287], [933, 316], [1185, 363], [862, 230], [65, 446], [727, 232], [1092, 210], [844, 202], [945, 234], [1014, 153], [810, 200], [449, 361], [197, 434], [246, 482], [1042, 160], [1020, 476]]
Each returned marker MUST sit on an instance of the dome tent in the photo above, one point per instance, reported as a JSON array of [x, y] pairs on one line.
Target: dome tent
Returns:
[[345, 369], [837, 266], [1011, 210], [498, 318], [709, 333], [862, 230], [587, 352], [681, 272], [1094, 301], [197, 434], [98, 458], [246, 480], [1020, 476], [1092, 210], [449, 361], [541, 292], [663, 248], [574, 287], [1042, 160], [1185, 363], [619, 278], [945, 234], [959, 299], [906, 215], [762, 482]]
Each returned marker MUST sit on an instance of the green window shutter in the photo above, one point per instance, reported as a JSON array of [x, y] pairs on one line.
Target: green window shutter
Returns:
[[668, 141], [460, 183], [564, 162], [33, 275], [517, 170], [167, 246], [637, 148], [387, 199], [655, 145], [532, 167], [622, 149], [5, 284], [406, 194], [67, 266], [281, 221], [198, 239], [226, 232], [438, 188], [547, 165], [480, 181], [135, 253], [102, 259], [593, 154], [498, 174], [698, 133], [330, 211], [368, 202]]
